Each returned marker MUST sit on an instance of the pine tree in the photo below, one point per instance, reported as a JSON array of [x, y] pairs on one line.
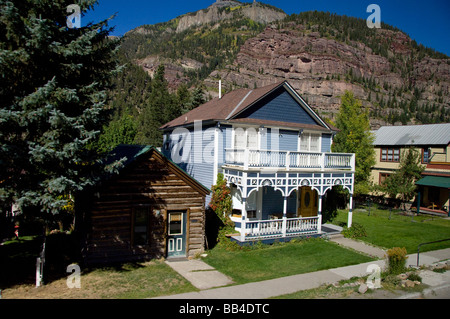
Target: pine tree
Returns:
[[161, 108], [52, 95], [402, 182]]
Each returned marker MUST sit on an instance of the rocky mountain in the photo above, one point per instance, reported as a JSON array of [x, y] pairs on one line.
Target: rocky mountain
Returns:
[[320, 54]]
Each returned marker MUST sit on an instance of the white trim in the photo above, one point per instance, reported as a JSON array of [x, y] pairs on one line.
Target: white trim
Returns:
[[216, 155], [237, 106], [309, 109]]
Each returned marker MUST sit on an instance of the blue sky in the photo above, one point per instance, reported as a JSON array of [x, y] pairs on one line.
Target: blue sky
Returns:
[[427, 22]]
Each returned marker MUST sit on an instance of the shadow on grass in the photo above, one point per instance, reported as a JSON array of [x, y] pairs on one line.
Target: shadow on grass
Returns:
[[18, 260]]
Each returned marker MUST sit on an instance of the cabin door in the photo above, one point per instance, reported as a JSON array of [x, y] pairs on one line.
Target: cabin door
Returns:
[[176, 237]]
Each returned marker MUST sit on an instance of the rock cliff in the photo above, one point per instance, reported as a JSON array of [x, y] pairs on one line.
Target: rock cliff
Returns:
[[228, 10], [322, 69]]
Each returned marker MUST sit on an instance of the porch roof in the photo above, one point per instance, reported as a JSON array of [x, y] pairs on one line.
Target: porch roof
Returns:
[[436, 181]]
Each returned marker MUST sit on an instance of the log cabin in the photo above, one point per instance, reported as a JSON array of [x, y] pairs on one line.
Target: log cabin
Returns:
[[150, 209]]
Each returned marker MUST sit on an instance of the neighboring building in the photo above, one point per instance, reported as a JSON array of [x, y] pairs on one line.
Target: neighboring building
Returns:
[[275, 153], [432, 141], [151, 209]]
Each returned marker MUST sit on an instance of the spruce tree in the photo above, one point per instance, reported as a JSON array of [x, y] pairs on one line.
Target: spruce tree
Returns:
[[52, 94]]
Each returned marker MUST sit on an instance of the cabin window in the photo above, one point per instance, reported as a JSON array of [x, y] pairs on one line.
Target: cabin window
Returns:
[[140, 226], [390, 155], [175, 223], [310, 142]]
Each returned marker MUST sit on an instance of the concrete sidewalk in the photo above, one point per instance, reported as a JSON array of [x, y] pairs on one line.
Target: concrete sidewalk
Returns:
[[200, 274], [291, 284]]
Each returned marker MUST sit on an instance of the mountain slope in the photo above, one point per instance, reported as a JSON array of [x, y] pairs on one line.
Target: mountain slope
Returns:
[[195, 44], [320, 54]]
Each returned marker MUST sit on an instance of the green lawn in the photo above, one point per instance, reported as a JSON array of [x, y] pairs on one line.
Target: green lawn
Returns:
[[281, 260], [400, 230]]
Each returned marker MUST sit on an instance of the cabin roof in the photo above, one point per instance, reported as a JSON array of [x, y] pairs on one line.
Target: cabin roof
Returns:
[[233, 104], [131, 153]]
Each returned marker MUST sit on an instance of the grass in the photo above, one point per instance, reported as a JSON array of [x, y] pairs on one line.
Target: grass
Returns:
[[125, 281], [128, 281], [400, 230], [281, 260], [155, 278]]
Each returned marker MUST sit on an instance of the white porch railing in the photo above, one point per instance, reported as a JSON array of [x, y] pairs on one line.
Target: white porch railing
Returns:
[[263, 229], [289, 160]]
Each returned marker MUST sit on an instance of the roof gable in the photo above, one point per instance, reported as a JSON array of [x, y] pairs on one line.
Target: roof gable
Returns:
[[278, 104]]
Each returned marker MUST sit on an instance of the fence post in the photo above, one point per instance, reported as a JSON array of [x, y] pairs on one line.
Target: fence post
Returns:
[[39, 272]]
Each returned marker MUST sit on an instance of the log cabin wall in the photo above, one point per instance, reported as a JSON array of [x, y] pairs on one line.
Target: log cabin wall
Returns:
[[151, 184]]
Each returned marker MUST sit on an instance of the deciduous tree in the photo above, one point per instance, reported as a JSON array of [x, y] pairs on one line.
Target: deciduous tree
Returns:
[[355, 137]]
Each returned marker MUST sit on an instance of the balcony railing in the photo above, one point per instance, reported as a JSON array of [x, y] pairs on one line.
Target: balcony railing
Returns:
[[289, 160]]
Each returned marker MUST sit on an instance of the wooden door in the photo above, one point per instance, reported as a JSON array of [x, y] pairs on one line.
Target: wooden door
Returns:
[[307, 206], [176, 237]]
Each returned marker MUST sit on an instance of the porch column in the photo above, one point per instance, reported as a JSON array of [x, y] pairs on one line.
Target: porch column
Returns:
[[319, 214], [284, 227], [350, 212], [244, 218]]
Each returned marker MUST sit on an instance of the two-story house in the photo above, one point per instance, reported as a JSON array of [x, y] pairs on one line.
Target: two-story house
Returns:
[[275, 153], [432, 142]]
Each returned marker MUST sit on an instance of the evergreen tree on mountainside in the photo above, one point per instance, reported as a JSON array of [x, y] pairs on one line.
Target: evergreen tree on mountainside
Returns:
[[161, 108], [52, 94]]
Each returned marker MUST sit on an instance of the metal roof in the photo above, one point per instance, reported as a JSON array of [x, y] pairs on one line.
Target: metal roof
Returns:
[[426, 135], [436, 181]]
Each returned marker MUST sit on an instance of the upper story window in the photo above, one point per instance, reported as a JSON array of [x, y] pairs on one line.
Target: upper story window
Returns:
[[245, 138], [310, 142], [390, 155], [426, 154]]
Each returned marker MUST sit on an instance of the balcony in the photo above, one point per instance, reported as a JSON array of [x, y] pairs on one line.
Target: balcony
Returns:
[[290, 161]]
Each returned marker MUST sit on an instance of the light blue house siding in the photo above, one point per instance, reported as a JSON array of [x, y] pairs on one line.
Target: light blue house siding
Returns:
[[193, 151], [288, 140], [326, 143]]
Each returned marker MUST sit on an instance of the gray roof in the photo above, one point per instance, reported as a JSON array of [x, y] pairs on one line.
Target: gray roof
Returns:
[[432, 134]]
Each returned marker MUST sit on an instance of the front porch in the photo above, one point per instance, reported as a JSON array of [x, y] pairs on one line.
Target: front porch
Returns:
[[327, 230], [281, 205]]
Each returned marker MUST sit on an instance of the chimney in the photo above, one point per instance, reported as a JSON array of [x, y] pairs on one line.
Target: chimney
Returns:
[[220, 89]]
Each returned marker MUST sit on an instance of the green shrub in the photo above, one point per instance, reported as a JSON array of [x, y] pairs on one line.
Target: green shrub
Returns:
[[356, 231], [396, 260]]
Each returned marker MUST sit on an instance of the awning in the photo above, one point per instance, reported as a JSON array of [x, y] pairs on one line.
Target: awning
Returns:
[[436, 181]]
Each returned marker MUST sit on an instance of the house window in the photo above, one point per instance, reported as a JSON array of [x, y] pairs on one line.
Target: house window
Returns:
[[425, 155], [310, 142], [245, 138], [140, 226], [390, 155], [383, 177]]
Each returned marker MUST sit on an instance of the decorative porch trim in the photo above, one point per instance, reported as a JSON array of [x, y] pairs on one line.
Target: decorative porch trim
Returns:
[[287, 182]]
